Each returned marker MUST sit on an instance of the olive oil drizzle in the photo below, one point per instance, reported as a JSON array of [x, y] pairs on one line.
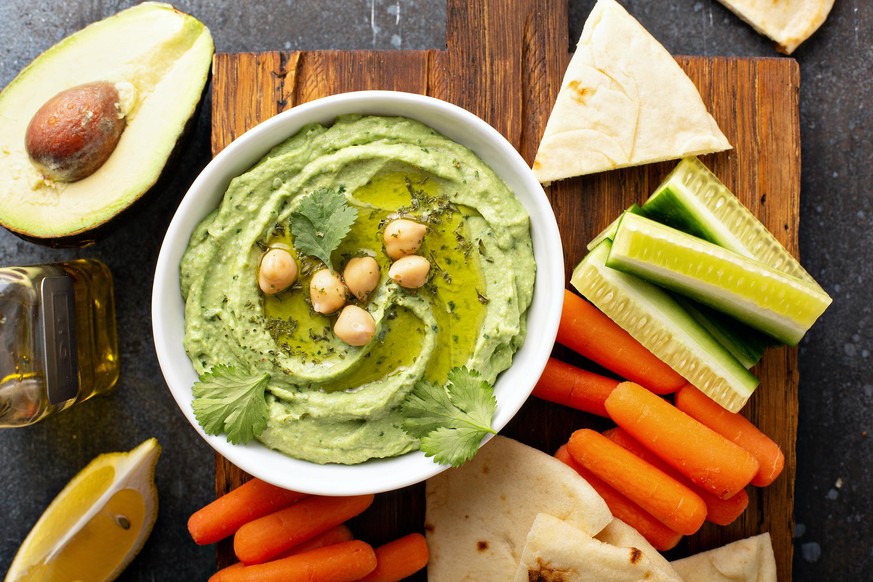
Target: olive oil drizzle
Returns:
[[453, 290]]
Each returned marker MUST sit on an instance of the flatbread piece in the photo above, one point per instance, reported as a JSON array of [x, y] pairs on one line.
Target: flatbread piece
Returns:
[[556, 551], [478, 515], [787, 22], [624, 101], [748, 560], [620, 534]]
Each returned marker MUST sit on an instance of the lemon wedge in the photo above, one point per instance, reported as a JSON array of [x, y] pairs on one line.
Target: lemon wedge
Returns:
[[96, 524]]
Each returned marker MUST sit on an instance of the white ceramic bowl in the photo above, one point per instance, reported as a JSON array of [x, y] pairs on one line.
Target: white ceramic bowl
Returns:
[[513, 386]]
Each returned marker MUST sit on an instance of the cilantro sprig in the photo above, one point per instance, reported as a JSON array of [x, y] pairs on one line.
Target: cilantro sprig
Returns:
[[228, 400], [451, 420], [321, 222]]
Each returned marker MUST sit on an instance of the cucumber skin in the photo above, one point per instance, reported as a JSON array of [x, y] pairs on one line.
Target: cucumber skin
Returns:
[[746, 344], [767, 319], [686, 206], [680, 341]]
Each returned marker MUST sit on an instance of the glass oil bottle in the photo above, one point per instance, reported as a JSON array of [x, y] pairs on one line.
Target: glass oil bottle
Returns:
[[58, 341]]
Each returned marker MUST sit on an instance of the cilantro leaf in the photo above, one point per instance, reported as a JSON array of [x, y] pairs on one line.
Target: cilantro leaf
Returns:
[[452, 446], [450, 421], [321, 222], [427, 408], [232, 401], [473, 394]]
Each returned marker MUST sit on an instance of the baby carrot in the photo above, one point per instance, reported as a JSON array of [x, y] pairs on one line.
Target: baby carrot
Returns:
[[667, 500], [574, 387], [718, 511], [343, 562], [334, 535], [588, 331], [736, 428], [265, 538], [656, 533], [708, 459], [225, 515], [222, 574], [399, 559]]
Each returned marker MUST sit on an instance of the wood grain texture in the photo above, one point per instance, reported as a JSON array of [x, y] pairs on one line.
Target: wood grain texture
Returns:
[[504, 61]]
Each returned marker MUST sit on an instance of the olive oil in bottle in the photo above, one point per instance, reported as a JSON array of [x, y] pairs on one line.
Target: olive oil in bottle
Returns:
[[58, 342]]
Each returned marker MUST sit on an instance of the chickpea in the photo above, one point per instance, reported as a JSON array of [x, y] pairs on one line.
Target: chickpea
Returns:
[[326, 291], [355, 326], [361, 276], [403, 237], [277, 271], [410, 271]]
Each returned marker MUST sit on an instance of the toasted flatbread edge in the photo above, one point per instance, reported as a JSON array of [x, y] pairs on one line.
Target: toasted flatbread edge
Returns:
[[555, 548], [786, 42]]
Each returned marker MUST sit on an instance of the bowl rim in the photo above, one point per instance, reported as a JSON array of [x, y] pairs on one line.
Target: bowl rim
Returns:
[[375, 475]]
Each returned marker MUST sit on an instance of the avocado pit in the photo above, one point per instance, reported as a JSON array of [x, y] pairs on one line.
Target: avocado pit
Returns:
[[76, 131]]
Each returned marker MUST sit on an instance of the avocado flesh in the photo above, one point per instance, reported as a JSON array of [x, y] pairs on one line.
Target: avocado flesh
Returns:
[[166, 55]]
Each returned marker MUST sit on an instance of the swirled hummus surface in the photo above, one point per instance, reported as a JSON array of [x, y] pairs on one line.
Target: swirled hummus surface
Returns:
[[331, 402]]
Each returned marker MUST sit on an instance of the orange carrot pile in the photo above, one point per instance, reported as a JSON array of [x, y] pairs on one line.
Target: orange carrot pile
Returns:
[[336, 535], [666, 466], [718, 511], [588, 331], [399, 559], [656, 533], [736, 428], [708, 459], [343, 562], [574, 387], [303, 538], [672, 503], [228, 513], [267, 537]]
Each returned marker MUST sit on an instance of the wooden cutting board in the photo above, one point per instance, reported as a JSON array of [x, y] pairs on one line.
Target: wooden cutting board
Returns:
[[504, 62]]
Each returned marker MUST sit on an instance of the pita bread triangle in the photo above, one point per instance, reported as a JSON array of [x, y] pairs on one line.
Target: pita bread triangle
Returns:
[[789, 22], [624, 101], [620, 534], [478, 515], [555, 550], [747, 560]]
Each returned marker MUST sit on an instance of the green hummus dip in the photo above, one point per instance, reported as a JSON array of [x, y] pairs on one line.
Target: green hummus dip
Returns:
[[330, 402]]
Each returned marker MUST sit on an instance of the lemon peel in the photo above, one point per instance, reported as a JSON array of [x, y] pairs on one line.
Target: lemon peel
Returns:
[[97, 524]]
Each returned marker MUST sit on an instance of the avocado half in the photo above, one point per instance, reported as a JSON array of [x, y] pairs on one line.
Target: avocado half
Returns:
[[166, 56]]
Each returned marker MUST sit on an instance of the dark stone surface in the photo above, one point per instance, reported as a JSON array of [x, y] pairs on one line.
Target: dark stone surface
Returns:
[[834, 510]]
